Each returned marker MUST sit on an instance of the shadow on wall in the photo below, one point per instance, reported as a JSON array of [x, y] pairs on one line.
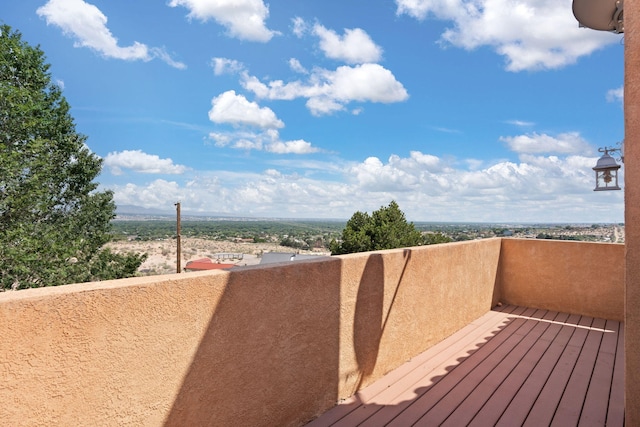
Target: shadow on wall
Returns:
[[370, 317], [367, 322], [255, 365]]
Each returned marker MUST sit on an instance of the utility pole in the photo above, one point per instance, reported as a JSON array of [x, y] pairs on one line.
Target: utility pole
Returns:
[[179, 256]]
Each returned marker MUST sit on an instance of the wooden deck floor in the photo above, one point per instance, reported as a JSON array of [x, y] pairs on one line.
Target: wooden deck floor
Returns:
[[514, 366]]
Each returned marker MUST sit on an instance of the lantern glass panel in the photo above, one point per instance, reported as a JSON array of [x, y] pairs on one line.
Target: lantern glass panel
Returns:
[[607, 180]]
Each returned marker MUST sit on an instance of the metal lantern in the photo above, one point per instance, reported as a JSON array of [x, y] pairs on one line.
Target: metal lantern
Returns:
[[606, 172]]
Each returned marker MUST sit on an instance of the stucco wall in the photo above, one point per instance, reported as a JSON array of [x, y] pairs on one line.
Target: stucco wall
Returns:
[[632, 208], [573, 277], [395, 304], [273, 345]]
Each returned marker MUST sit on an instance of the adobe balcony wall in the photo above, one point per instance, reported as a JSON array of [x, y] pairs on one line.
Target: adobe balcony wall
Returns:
[[571, 277], [272, 345], [262, 346]]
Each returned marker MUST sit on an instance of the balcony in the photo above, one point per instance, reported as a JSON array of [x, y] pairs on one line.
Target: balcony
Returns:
[[511, 367], [281, 345]]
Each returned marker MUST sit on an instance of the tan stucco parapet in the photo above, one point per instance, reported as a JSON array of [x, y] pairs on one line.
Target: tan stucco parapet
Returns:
[[269, 345]]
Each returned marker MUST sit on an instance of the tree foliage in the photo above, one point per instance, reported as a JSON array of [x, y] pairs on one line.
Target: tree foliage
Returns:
[[436, 238], [386, 228], [53, 221]]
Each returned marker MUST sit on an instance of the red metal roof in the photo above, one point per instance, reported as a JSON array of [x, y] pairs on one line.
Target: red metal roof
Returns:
[[205, 264]]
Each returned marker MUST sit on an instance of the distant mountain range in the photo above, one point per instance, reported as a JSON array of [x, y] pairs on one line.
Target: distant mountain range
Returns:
[[140, 213], [139, 210], [134, 212]]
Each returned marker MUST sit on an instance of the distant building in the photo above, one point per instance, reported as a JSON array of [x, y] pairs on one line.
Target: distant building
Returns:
[[274, 257], [204, 264]]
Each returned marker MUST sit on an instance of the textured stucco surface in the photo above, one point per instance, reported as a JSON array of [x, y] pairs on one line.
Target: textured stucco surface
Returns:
[[571, 277], [396, 304], [632, 209], [112, 354], [272, 345], [263, 346]]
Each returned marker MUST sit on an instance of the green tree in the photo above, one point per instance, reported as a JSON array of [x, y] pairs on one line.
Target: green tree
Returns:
[[436, 238], [355, 236], [53, 221], [386, 228]]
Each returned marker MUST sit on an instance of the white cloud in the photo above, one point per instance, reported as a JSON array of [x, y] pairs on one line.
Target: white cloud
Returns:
[[237, 110], [366, 82], [520, 123], [291, 147], [157, 194], [141, 162], [162, 54], [355, 47], [88, 25], [544, 185], [446, 130], [296, 66], [268, 141], [373, 175], [329, 91], [400, 174], [427, 188], [616, 95], [474, 164], [300, 27], [270, 193], [226, 66], [323, 105], [248, 144], [244, 19], [564, 143], [220, 139], [530, 34]]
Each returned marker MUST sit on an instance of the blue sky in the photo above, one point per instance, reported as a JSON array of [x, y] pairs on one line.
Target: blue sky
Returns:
[[460, 110]]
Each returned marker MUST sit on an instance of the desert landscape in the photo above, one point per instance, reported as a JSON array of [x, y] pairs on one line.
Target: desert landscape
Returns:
[[162, 254]]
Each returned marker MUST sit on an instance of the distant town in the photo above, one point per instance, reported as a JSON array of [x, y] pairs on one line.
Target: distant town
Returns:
[[309, 234], [609, 233]]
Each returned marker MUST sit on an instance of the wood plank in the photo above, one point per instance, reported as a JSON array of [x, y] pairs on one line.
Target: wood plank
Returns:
[[500, 400], [405, 376], [570, 406], [521, 404], [515, 367], [477, 388], [596, 401], [361, 405], [431, 397], [615, 412], [544, 408], [434, 368]]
